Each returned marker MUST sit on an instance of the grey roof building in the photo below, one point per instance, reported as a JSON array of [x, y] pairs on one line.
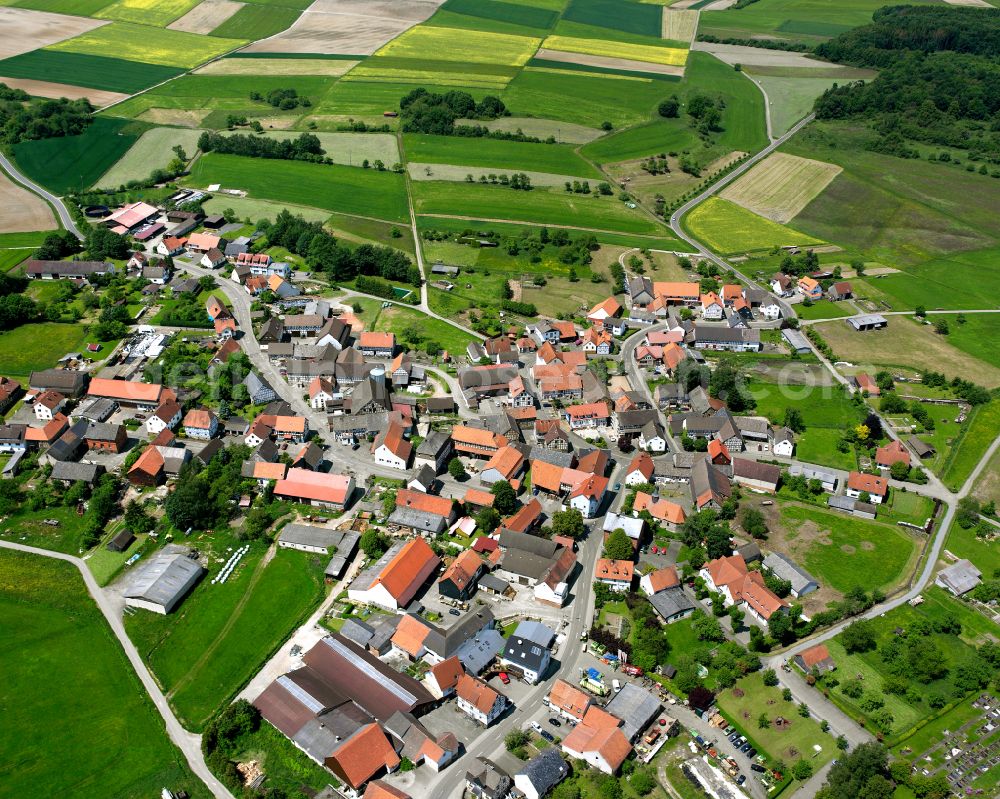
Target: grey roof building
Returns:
[[70, 472], [259, 390], [163, 581], [358, 632], [541, 774], [783, 567], [959, 578], [672, 604], [309, 538], [65, 381], [635, 707], [796, 341], [486, 780]]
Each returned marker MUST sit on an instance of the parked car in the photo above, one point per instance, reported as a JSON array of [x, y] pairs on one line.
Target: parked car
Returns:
[[745, 749], [751, 754], [548, 736], [758, 768], [555, 722], [536, 726], [454, 612], [504, 678], [733, 737], [633, 671], [741, 779]]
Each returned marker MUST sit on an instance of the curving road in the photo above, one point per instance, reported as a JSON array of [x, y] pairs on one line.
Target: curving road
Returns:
[[187, 742], [60, 208]]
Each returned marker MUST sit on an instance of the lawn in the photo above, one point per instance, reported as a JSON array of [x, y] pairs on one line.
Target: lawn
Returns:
[[153, 150], [560, 159], [256, 210], [207, 650], [70, 163], [821, 406], [974, 334], [906, 344], [987, 487], [92, 71], [728, 228], [362, 192], [77, 722], [824, 309], [844, 552], [79, 8], [30, 348], [971, 444], [147, 12], [788, 744], [149, 45], [257, 22], [538, 205], [397, 319], [28, 527]]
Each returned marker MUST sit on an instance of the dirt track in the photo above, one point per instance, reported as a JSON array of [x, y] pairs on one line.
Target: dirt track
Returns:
[[42, 88], [25, 30], [206, 16], [22, 210]]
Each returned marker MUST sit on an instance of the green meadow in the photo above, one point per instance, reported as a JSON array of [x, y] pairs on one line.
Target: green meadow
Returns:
[[91, 71], [257, 22], [515, 156]]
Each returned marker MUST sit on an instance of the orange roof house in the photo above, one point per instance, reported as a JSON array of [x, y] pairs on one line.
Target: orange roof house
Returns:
[[393, 581], [673, 293], [377, 789], [616, 573], [410, 635], [866, 382], [525, 517], [718, 453], [568, 700], [876, 487], [474, 441], [506, 464], [426, 503], [742, 586], [662, 510], [264, 471], [148, 469], [370, 341], [816, 657], [366, 754], [127, 392], [443, 676], [49, 431], [640, 470], [598, 739], [316, 488], [459, 579], [604, 310], [659, 580], [893, 452]]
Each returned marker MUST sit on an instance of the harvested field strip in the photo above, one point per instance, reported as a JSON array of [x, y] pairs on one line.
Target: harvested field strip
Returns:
[[257, 22], [75, 162], [542, 128], [670, 56], [206, 16], [615, 65], [99, 98], [92, 71], [27, 29], [449, 44], [147, 12], [171, 116], [442, 73], [148, 45], [364, 192], [277, 66], [152, 151], [729, 228], [781, 185], [24, 211], [679, 25]]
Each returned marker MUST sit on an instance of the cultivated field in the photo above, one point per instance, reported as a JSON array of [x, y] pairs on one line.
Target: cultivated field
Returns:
[[606, 62], [94, 732], [350, 149], [631, 18], [173, 116], [908, 344], [152, 151], [733, 54], [450, 44], [496, 153], [148, 45], [363, 192], [351, 27], [429, 171], [91, 71], [25, 30], [255, 22], [781, 185], [729, 228], [206, 16], [40, 88], [672, 56], [147, 12], [327, 67], [542, 128], [256, 210], [23, 210], [679, 25]]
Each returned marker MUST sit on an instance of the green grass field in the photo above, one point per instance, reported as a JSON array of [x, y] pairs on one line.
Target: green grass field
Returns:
[[824, 309], [792, 97], [363, 192], [974, 335], [367, 98], [205, 651], [79, 8], [153, 150], [11, 258], [34, 347], [821, 406], [77, 162], [91, 71], [147, 12], [963, 280], [623, 16], [255, 210], [77, 721], [494, 11], [149, 45], [233, 91], [514, 156], [350, 149], [728, 228], [538, 205], [964, 544], [843, 552], [396, 319], [972, 443], [257, 22]]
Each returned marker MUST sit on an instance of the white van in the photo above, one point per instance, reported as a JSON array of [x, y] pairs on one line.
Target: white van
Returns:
[[536, 726], [616, 684]]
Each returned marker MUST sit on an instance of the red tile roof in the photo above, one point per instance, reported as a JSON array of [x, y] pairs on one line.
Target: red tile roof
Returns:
[[463, 569], [662, 579], [476, 693], [617, 570], [426, 503], [364, 755], [858, 481], [893, 452], [447, 672], [815, 655], [643, 464], [373, 340], [318, 486], [126, 390], [405, 573]]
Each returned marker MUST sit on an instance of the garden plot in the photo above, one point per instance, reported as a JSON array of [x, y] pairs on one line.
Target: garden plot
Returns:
[[23, 210], [351, 27], [781, 185], [679, 25], [43, 88], [606, 62], [25, 30], [323, 67], [206, 16]]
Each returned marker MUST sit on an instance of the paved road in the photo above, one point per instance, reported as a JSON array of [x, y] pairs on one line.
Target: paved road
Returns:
[[187, 742], [64, 216]]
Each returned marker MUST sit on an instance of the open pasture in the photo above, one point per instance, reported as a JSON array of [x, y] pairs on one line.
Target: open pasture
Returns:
[[792, 96], [729, 228], [91, 71], [255, 210], [971, 444], [25, 29], [527, 16], [362, 192], [69, 683], [147, 12], [41, 88], [512, 156], [351, 27], [679, 25], [450, 44], [781, 185], [148, 45], [326, 67], [154, 150], [257, 22], [631, 17], [975, 334], [206, 16], [424, 171], [76, 8], [539, 206], [74, 162], [670, 56], [173, 116], [347, 98], [905, 343], [24, 211], [350, 149], [565, 132]]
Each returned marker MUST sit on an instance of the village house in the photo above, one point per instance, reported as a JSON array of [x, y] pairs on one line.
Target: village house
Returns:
[[393, 581], [321, 489], [892, 453], [740, 586], [616, 574], [377, 345], [598, 740], [478, 701], [391, 448], [201, 423], [640, 470], [858, 483]]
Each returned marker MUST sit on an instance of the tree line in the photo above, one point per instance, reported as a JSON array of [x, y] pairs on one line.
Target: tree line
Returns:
[[422, 111], [305, 147], [24, 119]]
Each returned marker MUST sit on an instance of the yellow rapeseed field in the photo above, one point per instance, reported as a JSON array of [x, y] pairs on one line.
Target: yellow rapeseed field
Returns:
[[151, 45], [669, 56], [728, 228], [453, 44], [147, 12]]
